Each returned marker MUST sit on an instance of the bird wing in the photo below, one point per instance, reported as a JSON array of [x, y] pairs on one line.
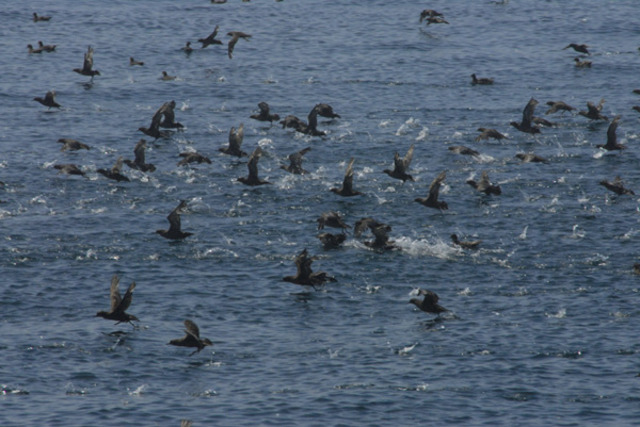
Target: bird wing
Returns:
[[312, 118], [362, 224], [49, 97], [174, 217], [429, 296], [169, 114], [434, 188], [215, 33], [406, 161], [527, 113], [138, 151], [612, 138], [88, 60], [232, 44], [295, 159], [192, 329], [115, 293], [264, 108], [126, 299], [157, 117], [253, 163], [347, 183], [117, 166], [238, 137]]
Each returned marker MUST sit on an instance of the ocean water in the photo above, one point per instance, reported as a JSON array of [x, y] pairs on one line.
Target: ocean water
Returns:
[[543, 320]]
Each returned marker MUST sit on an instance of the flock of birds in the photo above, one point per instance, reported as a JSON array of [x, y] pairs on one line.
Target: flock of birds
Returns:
[[163, 122]]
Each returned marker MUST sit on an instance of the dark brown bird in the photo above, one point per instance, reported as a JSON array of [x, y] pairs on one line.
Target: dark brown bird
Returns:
[[119, 305], [169, 114], [616, 186], [347, 183], [37, 18], [331, 241], [429, 13], [72, 145], [49, 100], [174, 232], [210, 39], [365, 223], [87, 65], [154, 129], [193, 157], [326, 110], [46, 47], [581, 48], [401, 165], [192, 338], [235, 36], [530, 158], [295, 162], [461, 149], [253, 179], [166, 77], [114, 172], [527, 116], [636, 108], [304, 275], [473, 244], [69, 169], [293, 122], [484, 185], [593, 111], [481, 80], [265, 115], [612, 138], [187, 48], [582, 64], [133, 62], [312, 126], [235, 141], [139, 162], [558, 106], [486, 133], [436, 20], [31, 49], [434, 189], [381, 241], [331, 219], [429, 304]]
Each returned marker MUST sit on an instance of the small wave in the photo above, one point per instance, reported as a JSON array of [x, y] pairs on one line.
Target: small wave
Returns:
[[561, 314], [438, 249]]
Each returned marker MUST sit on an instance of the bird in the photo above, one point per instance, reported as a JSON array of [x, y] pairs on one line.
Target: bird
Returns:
[[210, 39], [72, 145], [114, 172], [527, 117], [331, 219], [429, 13], [304, 275], [253, 179], [312, 126], [235, 36], [381, 241], [187, 48], [154, 129], [486, 133], [581, 48], [235, 141], [174, 232], [331, 241], [133, 62], [616, 186], [170, 116], [193, 157], [401, 165], [593, 111], [558, 106], [264, 115], [612, 138], [636, 108], [436, 20], [365, 223], [461, 149], [582, 64], [139, 162], [326, 110], [473, 244], [166, 77], [295, 162], [293, 122], [119, 304], [31, 49], [46, 47], [49, 100], [192, 338], [481, 81], [69, 169], [87, 65], [530, 158], [429, 304], [484, 185], [37, 18], [347, 183], [434, 189]]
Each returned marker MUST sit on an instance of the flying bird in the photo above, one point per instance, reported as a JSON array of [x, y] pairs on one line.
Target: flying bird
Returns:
[[295, 162], [192, 338], [174, 232], [235, 141], [265, 115], [593, 111], [139, 162], [331, 219], [527, 116], [581, 48], [616, 186], [49, 100], [87, 65], [612, 138], [429, 304], [119, 304], [401, 165], [304, 275], [472, 244], [347, 183], [235, 36], [72, 145], [210, 39], [486, 133], [484, 185], [114, 172], [434, 189], [253, 179]]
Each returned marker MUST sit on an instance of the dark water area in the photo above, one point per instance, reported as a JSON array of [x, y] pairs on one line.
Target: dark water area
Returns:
[[541, 327]]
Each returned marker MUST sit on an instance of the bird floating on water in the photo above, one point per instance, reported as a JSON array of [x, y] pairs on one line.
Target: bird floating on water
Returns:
[[119, 304], [461, 149], [193, 157], [265, 115], [481, 81], [133, 62], [530, 158], [37, 18], [582, 64], [46, 47], [31, 49], [69, 169]]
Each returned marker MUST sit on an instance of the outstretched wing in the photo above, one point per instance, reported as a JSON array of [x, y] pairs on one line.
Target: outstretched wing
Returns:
[[347, 183], [126, 299], [434, 188], [115, 293], [253, 163], [88, 60], [192, 329], [174, 217]]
